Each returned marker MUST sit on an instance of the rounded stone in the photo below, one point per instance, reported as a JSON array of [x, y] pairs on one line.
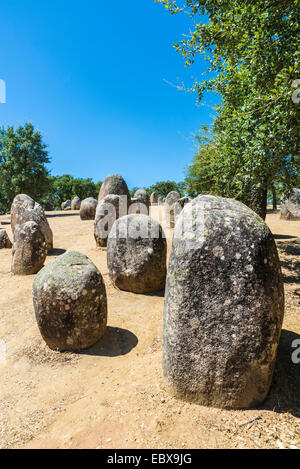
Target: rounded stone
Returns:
[[70, 303], [88, 209], [5, 242], [136, 254], [114, 184], [290, 207], [66, 205], [224, 305], [76, 203], [24, 209], [170, 205], [29, 249], [107, 213], [154, 198]]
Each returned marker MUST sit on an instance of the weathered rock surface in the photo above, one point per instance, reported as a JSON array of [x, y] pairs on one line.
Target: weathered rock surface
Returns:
[[142, 196], [88, 208], [136, 254], [154, 198], [5, 242], [76, 203], [107, 213], [170, 202], [138, 206], [290, 208], [70, 303], [24, 209], [114, 184], [66, 205], [29, 249], [224, 305]]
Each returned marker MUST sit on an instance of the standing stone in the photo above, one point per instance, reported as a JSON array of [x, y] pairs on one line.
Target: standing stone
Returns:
[[76, 203], [24, 209], [170, 202], [154, 198], [70, 303], [66, 205], [5, 242], [29, 249], [136, 254], [142, 196], [224, 305], [107, 213], [290, 207], [160, 200], [114, 184], [88, 209]]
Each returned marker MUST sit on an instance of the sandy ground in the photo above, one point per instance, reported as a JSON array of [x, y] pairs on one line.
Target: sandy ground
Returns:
[[113, 395]]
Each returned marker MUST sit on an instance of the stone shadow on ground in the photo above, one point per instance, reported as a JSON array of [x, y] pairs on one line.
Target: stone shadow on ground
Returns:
[[284, 395], [56, 252], [62, 215], [289, 253], [115, 342]]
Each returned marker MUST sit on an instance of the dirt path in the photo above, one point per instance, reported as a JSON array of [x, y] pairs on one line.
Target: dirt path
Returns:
[[113, 395]]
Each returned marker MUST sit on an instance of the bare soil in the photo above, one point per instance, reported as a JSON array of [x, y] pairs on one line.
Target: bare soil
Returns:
[[113, 395]]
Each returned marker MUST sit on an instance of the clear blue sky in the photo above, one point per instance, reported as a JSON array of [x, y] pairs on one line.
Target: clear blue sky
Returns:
[[90, 75]]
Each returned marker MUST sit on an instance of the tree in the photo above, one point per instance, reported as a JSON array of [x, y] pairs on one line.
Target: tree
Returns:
[[66, 187], [164, 187], [23, 157], [253, 56]]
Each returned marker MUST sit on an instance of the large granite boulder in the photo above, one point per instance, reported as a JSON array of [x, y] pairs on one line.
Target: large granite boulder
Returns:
[[136, 254], [5, 242], [29, 249], [114, 184], [88, 209], [24, 209], [70, 303], [224, 305], [76, 203], [290, 207], [66, 205], [108, 211]]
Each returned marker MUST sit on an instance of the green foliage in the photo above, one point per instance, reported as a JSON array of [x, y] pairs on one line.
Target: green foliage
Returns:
[[23, 157], [66, 187], [164, 187], [252, 49]]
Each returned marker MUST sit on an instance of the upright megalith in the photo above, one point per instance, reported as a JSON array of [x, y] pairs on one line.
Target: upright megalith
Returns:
[[290, 206], [107, 212], [70, 303], [136, 254], [224, 305], [154, 198], [88, 209], [140, 203], [5, 242], [170, 202], [24, 209], [114, 184], [76, 203], [29, 249]]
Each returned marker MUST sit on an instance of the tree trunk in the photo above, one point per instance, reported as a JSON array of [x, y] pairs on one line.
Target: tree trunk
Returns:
[[274, 199], [259, 197]]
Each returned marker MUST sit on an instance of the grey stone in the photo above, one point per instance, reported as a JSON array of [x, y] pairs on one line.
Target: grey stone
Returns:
[[114, 184], [290, 207], [24, 209], [29, 249], [5, 242], [66, 205], [224, 305], [170, 202], [88, 209], [70, 302], [154, 198], [136, 254], [76, 203], [108, 211]]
